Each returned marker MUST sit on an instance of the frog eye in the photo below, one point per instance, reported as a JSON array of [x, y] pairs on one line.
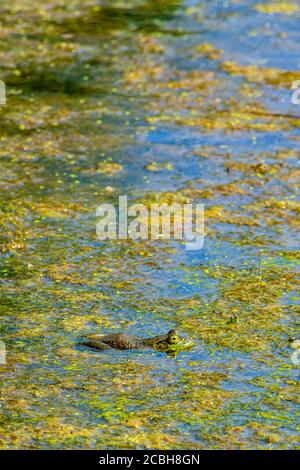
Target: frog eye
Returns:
[[174, 338]]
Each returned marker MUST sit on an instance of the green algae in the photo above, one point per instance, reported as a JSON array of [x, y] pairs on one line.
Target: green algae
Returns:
[[68, 135]]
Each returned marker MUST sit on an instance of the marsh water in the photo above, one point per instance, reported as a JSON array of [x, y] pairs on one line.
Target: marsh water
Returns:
[[165, 101]]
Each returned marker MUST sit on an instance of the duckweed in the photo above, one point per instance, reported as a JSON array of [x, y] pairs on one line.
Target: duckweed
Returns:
[[154, 100]]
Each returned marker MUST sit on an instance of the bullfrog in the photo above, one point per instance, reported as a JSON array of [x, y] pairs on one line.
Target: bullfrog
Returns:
[[124, 341]]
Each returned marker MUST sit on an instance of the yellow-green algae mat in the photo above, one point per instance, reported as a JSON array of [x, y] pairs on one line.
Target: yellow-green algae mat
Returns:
[[169, 101]]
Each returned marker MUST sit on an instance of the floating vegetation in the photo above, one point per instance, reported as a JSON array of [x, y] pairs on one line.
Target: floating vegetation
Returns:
[[166, 101], [286, 8]]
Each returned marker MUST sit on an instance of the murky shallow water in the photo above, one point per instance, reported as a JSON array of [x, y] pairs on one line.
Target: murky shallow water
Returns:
[[203, 90]]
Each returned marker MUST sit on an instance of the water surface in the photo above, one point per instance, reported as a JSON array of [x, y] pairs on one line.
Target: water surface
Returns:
[[98, 96]]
